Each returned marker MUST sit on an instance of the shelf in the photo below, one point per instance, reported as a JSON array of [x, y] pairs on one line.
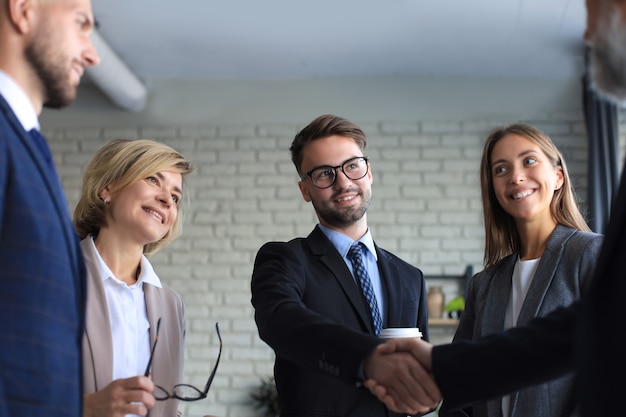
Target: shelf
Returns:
[[443, 322]]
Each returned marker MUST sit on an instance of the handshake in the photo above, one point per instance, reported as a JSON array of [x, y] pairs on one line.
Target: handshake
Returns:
[[398, 372]]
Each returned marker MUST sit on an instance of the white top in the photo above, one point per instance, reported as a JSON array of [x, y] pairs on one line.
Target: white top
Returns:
[[18, 101], [128, 317], [523, 274]]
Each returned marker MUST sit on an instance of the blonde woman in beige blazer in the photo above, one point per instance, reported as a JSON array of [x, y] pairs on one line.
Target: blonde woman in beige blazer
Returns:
[[129, 209]]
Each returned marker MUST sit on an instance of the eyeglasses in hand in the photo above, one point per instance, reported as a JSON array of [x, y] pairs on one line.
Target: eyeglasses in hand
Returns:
[[183, 392]]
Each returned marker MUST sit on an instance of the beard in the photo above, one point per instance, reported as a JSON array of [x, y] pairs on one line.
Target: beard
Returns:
[[48, 62], [344, 216], [608, 57]]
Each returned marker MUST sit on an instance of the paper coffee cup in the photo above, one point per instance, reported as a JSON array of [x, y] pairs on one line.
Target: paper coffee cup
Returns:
[[400, 332]]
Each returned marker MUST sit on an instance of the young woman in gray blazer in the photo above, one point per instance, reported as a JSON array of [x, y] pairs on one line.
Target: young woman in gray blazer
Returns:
[[129, 209], [539, 255]]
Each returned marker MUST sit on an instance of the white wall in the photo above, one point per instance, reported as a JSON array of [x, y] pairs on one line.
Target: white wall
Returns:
[[297, 101], [425, 140]]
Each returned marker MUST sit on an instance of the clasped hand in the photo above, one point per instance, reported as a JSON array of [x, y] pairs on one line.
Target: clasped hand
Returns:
[[399, 374]]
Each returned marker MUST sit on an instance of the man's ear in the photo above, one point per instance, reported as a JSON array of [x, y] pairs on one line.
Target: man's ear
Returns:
[[21, 14], [304, 191]]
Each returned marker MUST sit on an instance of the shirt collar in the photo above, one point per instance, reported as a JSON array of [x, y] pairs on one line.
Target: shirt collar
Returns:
[[19, 102], [147, 275], [342, 242]]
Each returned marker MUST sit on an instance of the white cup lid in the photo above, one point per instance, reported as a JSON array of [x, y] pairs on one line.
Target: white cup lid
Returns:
[[397, 332]]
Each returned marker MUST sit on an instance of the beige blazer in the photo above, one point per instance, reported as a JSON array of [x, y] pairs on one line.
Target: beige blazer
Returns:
[[167, 366]]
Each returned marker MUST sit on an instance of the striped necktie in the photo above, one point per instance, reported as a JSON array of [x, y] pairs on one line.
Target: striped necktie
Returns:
[[354, 254]]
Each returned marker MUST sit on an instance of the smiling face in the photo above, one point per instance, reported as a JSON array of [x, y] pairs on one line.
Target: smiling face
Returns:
[[146, 210], [344, 203], [524, 179], [60, 49]]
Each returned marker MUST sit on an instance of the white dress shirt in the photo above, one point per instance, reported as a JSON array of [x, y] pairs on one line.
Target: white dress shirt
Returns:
[[370, 258], [129, 318], [19, 102]]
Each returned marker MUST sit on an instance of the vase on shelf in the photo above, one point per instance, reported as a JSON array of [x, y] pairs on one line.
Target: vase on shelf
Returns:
[[435, 302]]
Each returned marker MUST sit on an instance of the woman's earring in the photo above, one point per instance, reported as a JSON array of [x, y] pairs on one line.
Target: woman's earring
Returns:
[[106, 201]]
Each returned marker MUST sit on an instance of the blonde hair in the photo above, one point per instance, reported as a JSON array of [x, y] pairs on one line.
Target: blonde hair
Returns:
[[501, 235], [119, 164]]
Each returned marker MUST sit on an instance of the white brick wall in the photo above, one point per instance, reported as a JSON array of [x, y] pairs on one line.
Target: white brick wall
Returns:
[[426, 208]]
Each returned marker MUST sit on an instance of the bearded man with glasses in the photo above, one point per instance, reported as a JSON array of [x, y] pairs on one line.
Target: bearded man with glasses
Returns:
[[321, 301]]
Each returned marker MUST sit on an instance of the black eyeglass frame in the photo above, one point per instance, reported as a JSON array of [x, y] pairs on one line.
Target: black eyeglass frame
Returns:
[[201, 393], [156, 339], [334, 169]]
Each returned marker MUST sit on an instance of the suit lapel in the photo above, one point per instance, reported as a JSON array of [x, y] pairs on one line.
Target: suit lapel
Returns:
[[98, 324], [500, 291], [392, 287], [51, 179], [545, 273], [152, 308], [323, 248]]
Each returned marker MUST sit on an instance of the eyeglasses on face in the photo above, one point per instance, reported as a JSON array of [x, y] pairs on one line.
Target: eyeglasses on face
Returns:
[[183, 392], [326, 175]]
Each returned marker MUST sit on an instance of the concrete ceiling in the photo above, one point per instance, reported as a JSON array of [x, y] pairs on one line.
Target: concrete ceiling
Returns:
[[287, 39]]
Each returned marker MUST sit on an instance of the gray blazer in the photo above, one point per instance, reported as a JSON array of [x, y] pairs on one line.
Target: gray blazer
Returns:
[[167, 365], [563, 275]]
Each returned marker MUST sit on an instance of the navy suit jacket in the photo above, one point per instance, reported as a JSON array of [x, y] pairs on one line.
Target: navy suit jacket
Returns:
[[586, 337], [309, 309], [42, 291]]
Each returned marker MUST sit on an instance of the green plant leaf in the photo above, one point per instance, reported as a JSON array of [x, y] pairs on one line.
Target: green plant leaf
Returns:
[[456, 304]]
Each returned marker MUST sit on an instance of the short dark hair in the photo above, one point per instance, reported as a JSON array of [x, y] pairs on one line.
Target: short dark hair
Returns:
[[323, 127]]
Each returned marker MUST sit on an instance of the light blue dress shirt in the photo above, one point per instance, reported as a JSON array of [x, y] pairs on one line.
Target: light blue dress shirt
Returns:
[[342, 243]]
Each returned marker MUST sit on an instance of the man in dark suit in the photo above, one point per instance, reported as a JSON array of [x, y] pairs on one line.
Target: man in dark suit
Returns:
[[309, 306], [585, 337], [44, 48]]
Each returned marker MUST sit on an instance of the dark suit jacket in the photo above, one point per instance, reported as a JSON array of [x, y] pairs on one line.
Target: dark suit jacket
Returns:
[[43, 283], [586, 338], [309, 309], [563, 275]]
